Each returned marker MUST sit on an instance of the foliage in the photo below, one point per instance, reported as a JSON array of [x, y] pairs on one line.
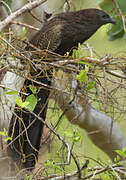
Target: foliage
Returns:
[[117, 9], [83, 76], [74, 135], [24, 31], [52, 164], [30, 177], [33, 89], [4, 133], [29, 103], [12, 92], [121, 154]]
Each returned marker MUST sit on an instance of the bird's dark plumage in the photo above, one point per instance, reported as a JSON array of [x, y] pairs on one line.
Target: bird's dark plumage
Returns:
[[59, 35], [66, 30]]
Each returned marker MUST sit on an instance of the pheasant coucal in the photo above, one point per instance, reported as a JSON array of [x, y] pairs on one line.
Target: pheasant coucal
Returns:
[[58, 35]]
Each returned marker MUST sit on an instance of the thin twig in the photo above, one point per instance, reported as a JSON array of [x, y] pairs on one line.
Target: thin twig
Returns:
[[25, 25], [6, 5]]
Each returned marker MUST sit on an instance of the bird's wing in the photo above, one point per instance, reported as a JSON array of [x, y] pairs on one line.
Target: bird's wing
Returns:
[[49, 37]]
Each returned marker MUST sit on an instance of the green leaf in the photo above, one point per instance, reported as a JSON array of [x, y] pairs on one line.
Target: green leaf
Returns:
[[115, 31], [53, 165], [5, 134], [33, 89], [7, 139], [2, 133], [18, 101], [74, 52], [117, 159], [87, 68], [83, 76], [76, 137], [32, 101], [78, 53], [30, 177], [29, 103], [24, 31], [12, 92], [91, 85], [25, 104], [121, 153]]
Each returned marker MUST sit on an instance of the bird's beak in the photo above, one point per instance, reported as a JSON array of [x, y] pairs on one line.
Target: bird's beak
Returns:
[[112, 21]]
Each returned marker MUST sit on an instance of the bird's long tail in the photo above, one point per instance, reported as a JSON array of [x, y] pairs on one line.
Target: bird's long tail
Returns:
[[25, 129]]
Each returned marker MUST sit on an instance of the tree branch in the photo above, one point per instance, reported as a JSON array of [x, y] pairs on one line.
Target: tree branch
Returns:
[[97, 124], [17, 13]]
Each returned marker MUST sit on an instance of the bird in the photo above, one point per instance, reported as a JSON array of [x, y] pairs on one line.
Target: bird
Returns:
[[59, 35]]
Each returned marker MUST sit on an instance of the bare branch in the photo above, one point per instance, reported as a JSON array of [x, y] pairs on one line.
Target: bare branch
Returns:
[[25, 25], [116, 74], [17, 13]]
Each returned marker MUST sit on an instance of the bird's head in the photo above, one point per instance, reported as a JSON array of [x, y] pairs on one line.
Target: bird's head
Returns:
[[96, 17], [103, 17]]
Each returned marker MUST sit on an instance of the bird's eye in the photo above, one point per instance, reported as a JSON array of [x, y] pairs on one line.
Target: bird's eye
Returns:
[[103, 16]]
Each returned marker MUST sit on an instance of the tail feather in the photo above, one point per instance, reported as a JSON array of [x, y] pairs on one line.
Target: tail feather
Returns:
[[24, 146]]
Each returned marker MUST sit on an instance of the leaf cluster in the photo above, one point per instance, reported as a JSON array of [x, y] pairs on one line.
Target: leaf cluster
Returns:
[[117, 9]]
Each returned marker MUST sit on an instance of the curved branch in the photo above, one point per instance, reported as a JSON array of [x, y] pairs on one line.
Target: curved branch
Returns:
[[101, 129]]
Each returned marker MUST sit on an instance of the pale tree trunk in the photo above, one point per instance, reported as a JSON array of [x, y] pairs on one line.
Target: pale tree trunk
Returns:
[[101, 129]]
